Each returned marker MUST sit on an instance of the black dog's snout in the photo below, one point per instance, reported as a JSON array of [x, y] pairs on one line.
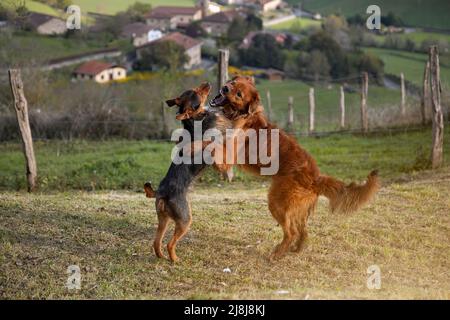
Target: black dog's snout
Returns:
[[225, 89]]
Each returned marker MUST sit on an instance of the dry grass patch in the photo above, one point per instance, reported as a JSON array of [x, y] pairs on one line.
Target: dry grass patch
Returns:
[[405, 231]]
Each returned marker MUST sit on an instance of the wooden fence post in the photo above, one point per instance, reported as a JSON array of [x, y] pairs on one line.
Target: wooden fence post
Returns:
[[425, 101], [165, 127], [21, 108], [290, 113], [269, 105], [437, 115], [342, 107], [222, 75], [312, 107], [402, 87], [222, 78], [364, 93]]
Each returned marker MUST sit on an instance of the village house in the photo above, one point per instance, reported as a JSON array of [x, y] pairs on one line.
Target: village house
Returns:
[[267, 5], [219, 23], [208, 7], [192, 47], [272, 74], [170, 18], [140, 33], [280, 38], [45, 24], [99, 71]]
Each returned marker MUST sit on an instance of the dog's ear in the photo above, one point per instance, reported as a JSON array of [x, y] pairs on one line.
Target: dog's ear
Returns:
[[255, 104], [250, 79], [172, 102]]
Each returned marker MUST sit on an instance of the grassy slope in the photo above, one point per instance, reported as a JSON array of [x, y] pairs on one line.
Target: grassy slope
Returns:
[[432, 13], [297, 23], [113, 6], [404, 231], [127, 164], [28, 46], [411, 64], [327, 102]]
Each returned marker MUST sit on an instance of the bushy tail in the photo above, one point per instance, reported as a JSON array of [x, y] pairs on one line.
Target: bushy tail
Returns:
[[348, 198], [149, 192]]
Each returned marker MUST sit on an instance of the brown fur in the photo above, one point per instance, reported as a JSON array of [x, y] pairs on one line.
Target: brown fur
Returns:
[[298, 183]]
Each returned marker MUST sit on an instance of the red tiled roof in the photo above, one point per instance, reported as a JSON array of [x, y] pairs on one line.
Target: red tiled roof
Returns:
[[183, 40], [135, 29], [222, 17], [165, 12], [93, 67], [37, 19]]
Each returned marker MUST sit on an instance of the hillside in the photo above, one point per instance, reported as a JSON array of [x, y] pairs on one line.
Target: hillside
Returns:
[[431, 13], [114, 6]]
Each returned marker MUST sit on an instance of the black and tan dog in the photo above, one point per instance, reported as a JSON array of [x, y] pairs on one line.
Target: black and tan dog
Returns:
[[171, 196]]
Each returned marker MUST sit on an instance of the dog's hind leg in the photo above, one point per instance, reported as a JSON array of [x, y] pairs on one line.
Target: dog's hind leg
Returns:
[[182, 225], [307, 207], [163, 220]]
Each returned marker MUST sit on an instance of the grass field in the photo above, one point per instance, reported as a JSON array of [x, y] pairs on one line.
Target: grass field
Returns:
[[127, 164], [297, 24], [432, 13], [327, 103], [405, 232], [418, 37], [411, 64], [25, 47], [114, 6]]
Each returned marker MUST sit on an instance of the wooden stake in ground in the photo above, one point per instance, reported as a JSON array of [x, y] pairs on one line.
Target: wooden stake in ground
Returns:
[[291, 114], [437, 115], [312, 108], [222, 75], [364, 93], [269, 105], [21, 107], [402, 87], [425, 103], [165, 126], [342, 107]]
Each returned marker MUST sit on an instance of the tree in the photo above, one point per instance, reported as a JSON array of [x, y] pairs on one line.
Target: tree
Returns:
[[318, 66], [237, 30], [166, 55], [195, 30], [373, 65], [137, 11], [264, 52], [337, 59]]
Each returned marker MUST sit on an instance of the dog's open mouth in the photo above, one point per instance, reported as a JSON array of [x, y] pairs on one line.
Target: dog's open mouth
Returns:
[[219, 101]]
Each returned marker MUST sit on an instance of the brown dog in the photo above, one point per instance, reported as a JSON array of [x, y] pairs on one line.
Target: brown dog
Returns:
[[298, 183]]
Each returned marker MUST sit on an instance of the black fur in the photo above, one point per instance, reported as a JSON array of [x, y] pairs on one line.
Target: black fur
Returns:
[[174, 187]]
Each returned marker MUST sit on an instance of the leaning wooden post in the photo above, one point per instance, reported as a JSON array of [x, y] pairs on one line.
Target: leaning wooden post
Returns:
[[402, 87], [269, 105], [437, 115], [165, 127], [342, 107], [364, 92], [290, 114], [222, 75], [425, 101], [21, 107], [312, 107]]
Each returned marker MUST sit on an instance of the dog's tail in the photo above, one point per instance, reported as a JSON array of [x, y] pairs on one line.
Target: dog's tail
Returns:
[[348, 198], [149, 192]]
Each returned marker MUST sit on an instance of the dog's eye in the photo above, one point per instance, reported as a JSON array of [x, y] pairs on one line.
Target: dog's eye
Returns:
[[239, 94]]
